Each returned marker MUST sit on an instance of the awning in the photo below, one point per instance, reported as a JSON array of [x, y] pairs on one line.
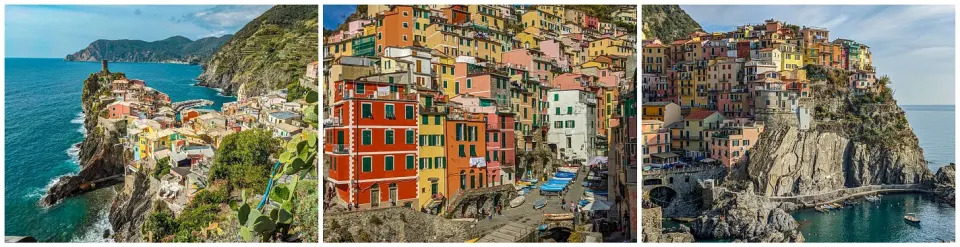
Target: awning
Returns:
[[665, 155]]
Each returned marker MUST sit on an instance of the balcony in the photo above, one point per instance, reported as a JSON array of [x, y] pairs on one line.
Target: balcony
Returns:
[[332, 122], [340, 149]]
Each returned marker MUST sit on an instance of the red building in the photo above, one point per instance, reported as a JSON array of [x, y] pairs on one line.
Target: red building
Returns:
[[591, 22], [501, 148], [457, 14], [467, 167], [371, 144]]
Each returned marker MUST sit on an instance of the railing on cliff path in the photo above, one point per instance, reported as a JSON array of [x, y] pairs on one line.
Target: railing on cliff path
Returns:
[[845, 193]]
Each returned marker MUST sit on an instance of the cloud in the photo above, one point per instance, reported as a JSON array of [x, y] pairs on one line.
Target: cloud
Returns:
[[224, 17]]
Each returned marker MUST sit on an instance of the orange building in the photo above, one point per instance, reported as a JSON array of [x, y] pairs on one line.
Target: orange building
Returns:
[[395, 28], [465, 151], [371, 144]]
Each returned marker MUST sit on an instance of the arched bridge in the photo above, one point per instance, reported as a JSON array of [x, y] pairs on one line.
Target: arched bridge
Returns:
[[664, 186], [187, 104]]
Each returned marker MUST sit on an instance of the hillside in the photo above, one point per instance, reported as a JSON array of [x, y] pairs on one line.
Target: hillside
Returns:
[[667, 22], [176, 49], [268, 53]]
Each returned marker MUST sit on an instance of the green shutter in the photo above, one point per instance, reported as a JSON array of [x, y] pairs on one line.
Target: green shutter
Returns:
[[388, 163], [409, 112], [558, 111], [410, 162], [367, 137], [556, 97], [367, 164], [390, 111], [569, 109], [462, 154], [436, 119], [421, 164], [388, 137], [367, 110]]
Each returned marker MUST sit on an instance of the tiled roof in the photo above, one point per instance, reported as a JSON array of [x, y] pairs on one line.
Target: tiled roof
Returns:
[[700, 115]]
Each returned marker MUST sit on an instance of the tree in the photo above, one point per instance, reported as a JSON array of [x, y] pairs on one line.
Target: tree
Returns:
[[244, 159]]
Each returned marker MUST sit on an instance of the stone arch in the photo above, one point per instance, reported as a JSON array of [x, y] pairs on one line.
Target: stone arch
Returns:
[[662, 196]]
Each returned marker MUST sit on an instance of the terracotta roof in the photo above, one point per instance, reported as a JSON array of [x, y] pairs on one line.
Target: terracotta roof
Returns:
[[654, 45], [679, 42], [699, 115], [767, 49]]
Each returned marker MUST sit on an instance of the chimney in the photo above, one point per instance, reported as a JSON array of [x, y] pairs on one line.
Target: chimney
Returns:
[[103, 64]]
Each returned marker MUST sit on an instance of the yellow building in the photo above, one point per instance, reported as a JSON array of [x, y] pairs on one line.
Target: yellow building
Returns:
[[432, 151], [542, 20], [421, 19], [339, 49], [443, 65], [486, 15], [654, 58], [528, 40], [792, 57], [452, 41], [610, 46]]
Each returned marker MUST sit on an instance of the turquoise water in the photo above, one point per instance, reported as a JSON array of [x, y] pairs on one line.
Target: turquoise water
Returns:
[[883, 221], [43, 121], [880, 221]]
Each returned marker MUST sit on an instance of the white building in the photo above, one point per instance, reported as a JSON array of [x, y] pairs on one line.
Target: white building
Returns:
[[573, 123]]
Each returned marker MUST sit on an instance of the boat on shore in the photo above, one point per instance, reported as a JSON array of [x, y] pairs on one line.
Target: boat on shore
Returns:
[[516, 202], [540, 203]]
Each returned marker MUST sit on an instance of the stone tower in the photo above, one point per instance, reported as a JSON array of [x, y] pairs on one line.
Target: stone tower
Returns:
[[103, 64]]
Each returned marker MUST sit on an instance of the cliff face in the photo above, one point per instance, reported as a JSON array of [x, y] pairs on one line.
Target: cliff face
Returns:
[[176, 49], [667, 23], [854, 141], [131, 206], [101, 154], [268, 53]]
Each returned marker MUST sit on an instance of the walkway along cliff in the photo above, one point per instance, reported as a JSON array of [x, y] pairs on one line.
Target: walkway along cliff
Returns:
[[101, 153]]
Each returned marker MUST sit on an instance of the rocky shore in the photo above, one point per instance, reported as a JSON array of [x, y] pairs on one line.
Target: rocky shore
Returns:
[[744, 216], [653, 232], [944, 184], [394, 224]]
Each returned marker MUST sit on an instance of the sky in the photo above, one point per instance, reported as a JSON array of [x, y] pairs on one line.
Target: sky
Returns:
[[333, 15], [914, 45], [53, 31]]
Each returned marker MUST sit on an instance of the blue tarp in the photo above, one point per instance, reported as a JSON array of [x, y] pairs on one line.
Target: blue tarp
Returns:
[[552, 187], [565, 175]]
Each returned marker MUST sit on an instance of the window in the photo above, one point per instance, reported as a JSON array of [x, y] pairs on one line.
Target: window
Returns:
[[367, 164], [422, 164], [367, 137], [462, 154], [367, 111], [570, 124], [410, 136], [436, 119], [473, 151], [469, 83], [388, 137], [360, 88], [424, 120], [409, 109], [410, 162], [405, 25], [556, 97], [388, 163], [558, 110], [389, 112], [569, 109]]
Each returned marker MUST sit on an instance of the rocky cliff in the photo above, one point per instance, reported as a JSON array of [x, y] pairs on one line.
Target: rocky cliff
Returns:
[[131, 206], [101, 153], [743, 216], [667, 23], [944, 184], [176, 49], [268, 53], [653, 232], [854, 140]]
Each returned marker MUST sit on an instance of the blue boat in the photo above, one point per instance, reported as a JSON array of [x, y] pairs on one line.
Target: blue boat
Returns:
[[540, 203]]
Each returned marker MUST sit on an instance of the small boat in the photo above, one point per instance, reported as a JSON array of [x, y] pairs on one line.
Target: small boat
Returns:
[[542, 227], [516, 202], [911, 218], [540, 203], [872, 198], [555, 217]]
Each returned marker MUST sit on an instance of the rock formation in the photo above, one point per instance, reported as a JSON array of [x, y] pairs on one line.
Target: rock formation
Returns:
[[653, 232], [743, 216], [131, 206], [394, 224], [101, 153], [944, 184]]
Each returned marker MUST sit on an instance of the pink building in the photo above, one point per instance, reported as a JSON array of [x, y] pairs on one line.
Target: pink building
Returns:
[[730, 144], [354, 28], [574, 81], [501, 148], [531, 60], [656, 143], [117, 110], [484, 82], [553, 49]]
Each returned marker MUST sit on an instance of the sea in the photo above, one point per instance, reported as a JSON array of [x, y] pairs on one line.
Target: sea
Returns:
[[43, 122], [882, 221]]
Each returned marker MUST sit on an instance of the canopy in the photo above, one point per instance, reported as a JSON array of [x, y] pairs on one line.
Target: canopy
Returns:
[[598, 205], [598, 160]]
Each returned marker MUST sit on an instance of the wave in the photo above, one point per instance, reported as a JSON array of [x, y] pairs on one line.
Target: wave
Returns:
[[40, 193], [94, 232], [74, 153], [79, 119]]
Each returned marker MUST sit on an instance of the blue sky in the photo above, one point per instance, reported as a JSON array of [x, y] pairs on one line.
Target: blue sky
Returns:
[[914, 45], [58, 30], [333, 15]]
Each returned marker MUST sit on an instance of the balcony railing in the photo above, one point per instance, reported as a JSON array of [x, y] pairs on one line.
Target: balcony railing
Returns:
[[332, 122], [340, 149]]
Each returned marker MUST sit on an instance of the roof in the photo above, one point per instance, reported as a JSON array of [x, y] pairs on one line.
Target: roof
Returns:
[[282, 115], [288, 128], [182, 171], [767, 49], [699, 115], [658, 103], [679, 42], [651, 121]]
